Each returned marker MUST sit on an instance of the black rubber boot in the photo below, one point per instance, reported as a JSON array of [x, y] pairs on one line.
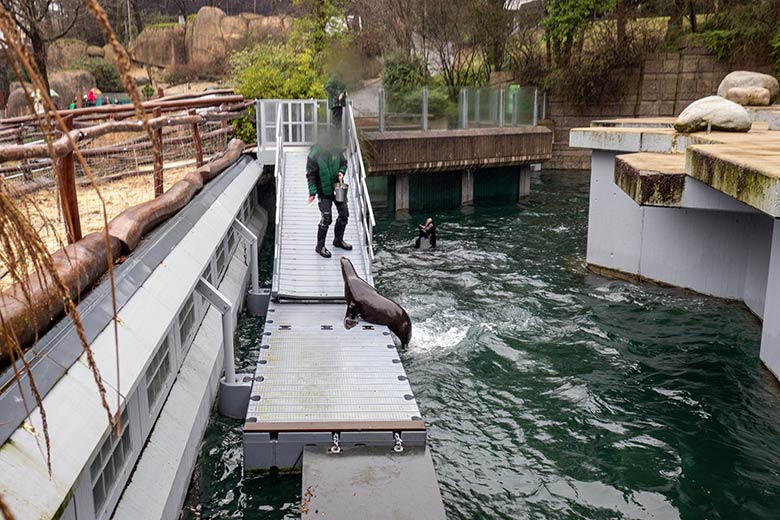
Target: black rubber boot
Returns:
[[338, 241], [321, 249]]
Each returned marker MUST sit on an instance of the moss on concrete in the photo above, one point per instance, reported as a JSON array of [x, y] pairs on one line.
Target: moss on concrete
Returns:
[[651, 179], [743, 182]]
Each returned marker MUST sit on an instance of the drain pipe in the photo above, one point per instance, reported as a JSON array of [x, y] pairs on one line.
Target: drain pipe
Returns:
[[234, 389]]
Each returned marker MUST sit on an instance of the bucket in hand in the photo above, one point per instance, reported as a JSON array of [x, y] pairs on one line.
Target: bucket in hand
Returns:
[[340, 191]]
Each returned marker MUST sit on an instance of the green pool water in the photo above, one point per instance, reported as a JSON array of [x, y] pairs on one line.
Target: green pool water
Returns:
[[550, 392]]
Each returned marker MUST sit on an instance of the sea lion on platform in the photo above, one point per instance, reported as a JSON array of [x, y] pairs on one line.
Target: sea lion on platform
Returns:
[[365, 301]]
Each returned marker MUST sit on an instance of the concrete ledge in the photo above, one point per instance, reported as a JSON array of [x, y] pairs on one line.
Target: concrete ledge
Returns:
[[652, 179], [748, 171], [390, 153]]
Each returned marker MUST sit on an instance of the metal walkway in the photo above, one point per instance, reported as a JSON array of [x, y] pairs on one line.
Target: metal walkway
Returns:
[[300, 273], [318, 385]]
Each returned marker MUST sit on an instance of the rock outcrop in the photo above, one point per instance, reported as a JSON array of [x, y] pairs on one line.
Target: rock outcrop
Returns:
[[93, 51], [749, 96], [160, 46], [65, 53], [719, 113], [211, 34], [744, 78], [67, 83]]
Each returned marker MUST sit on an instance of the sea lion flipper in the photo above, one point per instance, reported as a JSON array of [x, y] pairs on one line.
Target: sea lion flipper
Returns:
[[350, 322], [350, 317]]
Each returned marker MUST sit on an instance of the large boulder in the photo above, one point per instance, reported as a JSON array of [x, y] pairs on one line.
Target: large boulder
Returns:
[[749, 96], [93, 51], [160, 46], [67, 83], [716, 111], [65, 53], [211, 34], [744, 78], [108, 53], [203, 40]]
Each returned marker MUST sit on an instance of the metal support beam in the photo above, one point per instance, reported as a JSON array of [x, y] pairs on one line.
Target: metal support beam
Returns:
[[223, 305], [381, 99], [536, 106], [257, 299], [464, 108], [501, 107], [234, 389], [425, 109]]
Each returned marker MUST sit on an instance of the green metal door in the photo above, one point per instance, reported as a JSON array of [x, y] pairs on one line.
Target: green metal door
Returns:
[[440, 190]]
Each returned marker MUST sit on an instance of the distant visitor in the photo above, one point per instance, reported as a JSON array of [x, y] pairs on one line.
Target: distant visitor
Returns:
[[325, 169], [337, 98], [426, 235]]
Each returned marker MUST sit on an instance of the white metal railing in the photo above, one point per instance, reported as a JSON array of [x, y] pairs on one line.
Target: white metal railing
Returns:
[[357, 176], [288, 129], [300, 121], [278, 176]]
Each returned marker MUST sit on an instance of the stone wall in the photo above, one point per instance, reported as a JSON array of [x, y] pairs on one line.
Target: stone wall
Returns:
[[662, 86]]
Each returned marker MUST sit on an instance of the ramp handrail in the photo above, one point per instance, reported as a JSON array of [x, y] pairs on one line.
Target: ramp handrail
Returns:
[[357, 175], [278, 172]]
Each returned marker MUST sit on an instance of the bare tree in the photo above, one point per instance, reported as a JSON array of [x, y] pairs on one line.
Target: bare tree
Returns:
[[452, 35], [42, 22]]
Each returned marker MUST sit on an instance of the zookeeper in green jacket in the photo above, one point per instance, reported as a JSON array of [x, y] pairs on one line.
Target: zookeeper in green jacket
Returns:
[[325, 166], [337, 98]]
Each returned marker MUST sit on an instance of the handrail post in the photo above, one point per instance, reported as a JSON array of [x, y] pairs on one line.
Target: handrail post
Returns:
[[425, 109], [158, 158], [382, 109], [501, 107], [477, 107], [464, 108], [196, 141], [66, 179], [515, 106], [544, 104], [536, 106], [259, 124]]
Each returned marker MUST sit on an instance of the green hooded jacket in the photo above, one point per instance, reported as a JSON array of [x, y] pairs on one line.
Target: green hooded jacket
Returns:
[[323, 168]]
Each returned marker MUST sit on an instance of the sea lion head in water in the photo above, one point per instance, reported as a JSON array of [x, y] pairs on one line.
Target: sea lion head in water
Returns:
[[363, 300]]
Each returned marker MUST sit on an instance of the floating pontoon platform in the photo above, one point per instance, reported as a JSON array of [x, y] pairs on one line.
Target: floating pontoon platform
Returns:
[[332, 402]]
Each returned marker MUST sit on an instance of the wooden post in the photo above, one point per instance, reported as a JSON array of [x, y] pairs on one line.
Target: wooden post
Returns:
[[196, 140], [223, 144], [66, 181], [158, 159], [26, 172]]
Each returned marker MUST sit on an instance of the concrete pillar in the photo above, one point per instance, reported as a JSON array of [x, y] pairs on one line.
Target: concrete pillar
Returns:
[[770, 335], [467, 187], [402, 192], [525, 181]]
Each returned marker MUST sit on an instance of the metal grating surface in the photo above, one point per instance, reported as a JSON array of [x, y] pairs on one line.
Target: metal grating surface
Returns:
[[312, 369], [302, 273]]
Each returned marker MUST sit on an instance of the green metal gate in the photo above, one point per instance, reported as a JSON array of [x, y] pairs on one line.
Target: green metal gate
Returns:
[[496, 186], [440, 190]]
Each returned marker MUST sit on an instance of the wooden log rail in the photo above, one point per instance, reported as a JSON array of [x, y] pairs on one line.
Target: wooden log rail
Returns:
[[120, 149], [62, 145], [165, 104], [83, 262]]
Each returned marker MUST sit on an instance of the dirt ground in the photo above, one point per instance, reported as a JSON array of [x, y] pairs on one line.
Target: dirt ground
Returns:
[[43, 207]]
